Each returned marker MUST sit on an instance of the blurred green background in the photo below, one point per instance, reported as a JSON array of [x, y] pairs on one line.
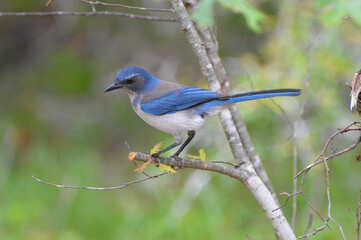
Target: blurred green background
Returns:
[[56, 122]]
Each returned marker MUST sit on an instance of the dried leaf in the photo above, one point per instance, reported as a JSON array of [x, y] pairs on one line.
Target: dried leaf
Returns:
[[143, 166], [355, 89], [358, 157]]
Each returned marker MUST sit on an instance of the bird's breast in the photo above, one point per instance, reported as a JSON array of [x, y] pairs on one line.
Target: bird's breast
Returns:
[[178, 122]]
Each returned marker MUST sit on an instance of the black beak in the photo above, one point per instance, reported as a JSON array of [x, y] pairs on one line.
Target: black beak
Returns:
[[113, 86]]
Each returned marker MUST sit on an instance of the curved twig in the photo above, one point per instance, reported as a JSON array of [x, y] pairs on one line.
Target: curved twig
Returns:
[[98, 188]]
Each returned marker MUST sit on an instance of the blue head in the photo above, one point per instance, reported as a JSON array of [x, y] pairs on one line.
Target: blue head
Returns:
[[134, 79]]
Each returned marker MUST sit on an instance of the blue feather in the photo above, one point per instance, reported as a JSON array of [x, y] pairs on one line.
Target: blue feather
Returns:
[[178, 100]]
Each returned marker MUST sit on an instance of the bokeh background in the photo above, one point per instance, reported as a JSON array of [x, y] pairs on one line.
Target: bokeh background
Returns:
[[57, 123]]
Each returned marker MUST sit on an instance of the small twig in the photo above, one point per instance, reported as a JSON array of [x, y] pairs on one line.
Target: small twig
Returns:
[[87, 14], [350, 148], [126, 6], [128, 146], [302, 192], [322, 158], [99, 188], [288, 198], [143, 172], [310, 219], [323, 153], [329, 198], [315, 231]]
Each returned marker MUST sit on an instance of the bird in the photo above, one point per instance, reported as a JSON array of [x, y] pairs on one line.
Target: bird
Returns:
[[174, 108]]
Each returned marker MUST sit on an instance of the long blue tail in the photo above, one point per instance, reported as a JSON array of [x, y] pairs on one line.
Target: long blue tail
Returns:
[[207, 108], [240, 97]]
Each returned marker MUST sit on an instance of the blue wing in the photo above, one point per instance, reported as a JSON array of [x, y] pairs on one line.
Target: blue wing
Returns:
[[178, 100]]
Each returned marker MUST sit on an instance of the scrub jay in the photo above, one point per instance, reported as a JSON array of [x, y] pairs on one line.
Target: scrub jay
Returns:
[[174, 108]]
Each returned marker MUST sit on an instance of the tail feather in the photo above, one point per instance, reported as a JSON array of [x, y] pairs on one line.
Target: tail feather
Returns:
[[208, 108], [240, 97]]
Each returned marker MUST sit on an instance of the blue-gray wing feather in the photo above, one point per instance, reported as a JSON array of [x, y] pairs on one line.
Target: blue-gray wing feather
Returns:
[[177, 100]]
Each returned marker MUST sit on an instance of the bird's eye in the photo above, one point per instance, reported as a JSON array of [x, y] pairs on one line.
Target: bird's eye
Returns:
[[129, 81]]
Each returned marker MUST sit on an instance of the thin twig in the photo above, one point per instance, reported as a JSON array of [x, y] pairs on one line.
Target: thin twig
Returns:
[[126, 6], [87, 14], [310, 219], [322, 158], [315, 231], [318, 160], [302, 192], [329, 198], [98, 188]]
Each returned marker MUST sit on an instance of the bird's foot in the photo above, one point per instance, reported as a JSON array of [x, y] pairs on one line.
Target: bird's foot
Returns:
[[179, 160], [155, 157]]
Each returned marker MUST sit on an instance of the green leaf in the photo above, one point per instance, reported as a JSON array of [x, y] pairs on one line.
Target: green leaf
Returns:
[[202, 156], [167, 168], [156, 148]]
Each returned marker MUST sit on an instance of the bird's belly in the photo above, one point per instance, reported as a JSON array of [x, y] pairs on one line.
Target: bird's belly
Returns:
[[178, 122]]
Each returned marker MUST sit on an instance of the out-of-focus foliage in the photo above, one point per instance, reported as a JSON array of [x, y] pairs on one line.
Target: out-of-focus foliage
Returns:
[[204, 13], [334, 11], [56, 122]]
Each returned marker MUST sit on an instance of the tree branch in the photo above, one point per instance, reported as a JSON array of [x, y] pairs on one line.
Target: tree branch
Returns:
[[248, 175], [189, 163], [206, 67], [210, 39]]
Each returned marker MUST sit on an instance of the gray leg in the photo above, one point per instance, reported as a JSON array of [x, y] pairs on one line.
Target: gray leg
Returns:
[[191, 135], [178, 140]]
